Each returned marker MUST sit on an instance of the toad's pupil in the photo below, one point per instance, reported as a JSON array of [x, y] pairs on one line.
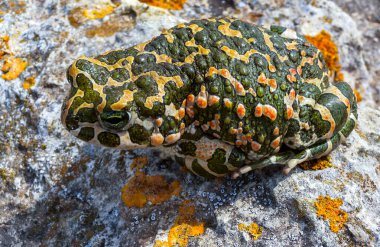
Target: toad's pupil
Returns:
[[114, 120]]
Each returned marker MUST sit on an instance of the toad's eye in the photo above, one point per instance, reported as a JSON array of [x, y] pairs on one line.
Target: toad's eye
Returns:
[[115, 120]]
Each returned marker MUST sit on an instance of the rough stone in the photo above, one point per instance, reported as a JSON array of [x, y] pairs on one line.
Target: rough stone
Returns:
[[56, 190]]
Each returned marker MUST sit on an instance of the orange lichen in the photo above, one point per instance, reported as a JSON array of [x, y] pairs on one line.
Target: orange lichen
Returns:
[[330, 53], [318, 164], [154, 189], [166, 4], [99, 12], [139, 162], [76, 17], [4, 46], [113, 25], [358, 96], [185, 226], [29, 82], [79, 15], [13, 67], [329, 209], [254, 229]]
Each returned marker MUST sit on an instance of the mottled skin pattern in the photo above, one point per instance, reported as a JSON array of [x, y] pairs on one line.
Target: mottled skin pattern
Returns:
[[221, 95]]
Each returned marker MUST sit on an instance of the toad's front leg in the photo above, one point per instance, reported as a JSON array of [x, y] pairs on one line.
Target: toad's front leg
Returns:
[[208, 157]]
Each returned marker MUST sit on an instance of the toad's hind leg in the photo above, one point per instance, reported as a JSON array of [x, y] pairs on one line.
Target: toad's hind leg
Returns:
[[319, 150], [331, 118], [291, 159], [280, 159]]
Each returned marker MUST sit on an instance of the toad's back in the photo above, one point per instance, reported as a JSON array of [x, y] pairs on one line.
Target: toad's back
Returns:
[[236, 81]]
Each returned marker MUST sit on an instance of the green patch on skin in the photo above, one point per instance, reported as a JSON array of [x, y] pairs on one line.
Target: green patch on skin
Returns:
[[336, 107], [114, 56], [113, 95], [260, 92], [311, 71], [87, 115], [109, 139], [237, 158], [294, 56], [84, 84], [86, 133], [147, 84], [120, 74], [158, 109], [188, 148], [169, 126], [189, 70], [321, 126], [98, 73], [145, 59], [198, 169], [139, 134], [76, 103], [309, 90], [348, 127], [319, 149], [71, 122], [216, 163], [346, 90]]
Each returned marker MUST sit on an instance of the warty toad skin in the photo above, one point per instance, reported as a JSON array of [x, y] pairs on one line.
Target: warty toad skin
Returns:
[[221, 95]]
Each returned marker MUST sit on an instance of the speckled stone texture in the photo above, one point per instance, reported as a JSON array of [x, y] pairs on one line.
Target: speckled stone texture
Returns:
[[56, 190]]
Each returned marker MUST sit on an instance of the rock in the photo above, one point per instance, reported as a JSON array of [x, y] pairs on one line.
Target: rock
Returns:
[[58, 190]]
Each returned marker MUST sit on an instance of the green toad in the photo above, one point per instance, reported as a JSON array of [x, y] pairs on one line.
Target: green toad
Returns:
[[220, 95]]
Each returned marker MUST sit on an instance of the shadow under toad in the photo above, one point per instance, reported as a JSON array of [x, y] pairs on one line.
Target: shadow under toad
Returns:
[[85, 207]]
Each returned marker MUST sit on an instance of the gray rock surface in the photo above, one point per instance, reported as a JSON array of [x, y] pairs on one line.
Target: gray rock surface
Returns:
[[56, 190]]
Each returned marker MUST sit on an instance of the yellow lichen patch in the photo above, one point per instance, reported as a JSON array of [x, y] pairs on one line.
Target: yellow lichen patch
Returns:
[[154, 189], [326, 19], [329, 50], [13, 67], [254, 229], [166, 4], [318, 164], [29, 82], [185, 226], [329, 209], [139, 162], [358, 95], [99, 12]]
